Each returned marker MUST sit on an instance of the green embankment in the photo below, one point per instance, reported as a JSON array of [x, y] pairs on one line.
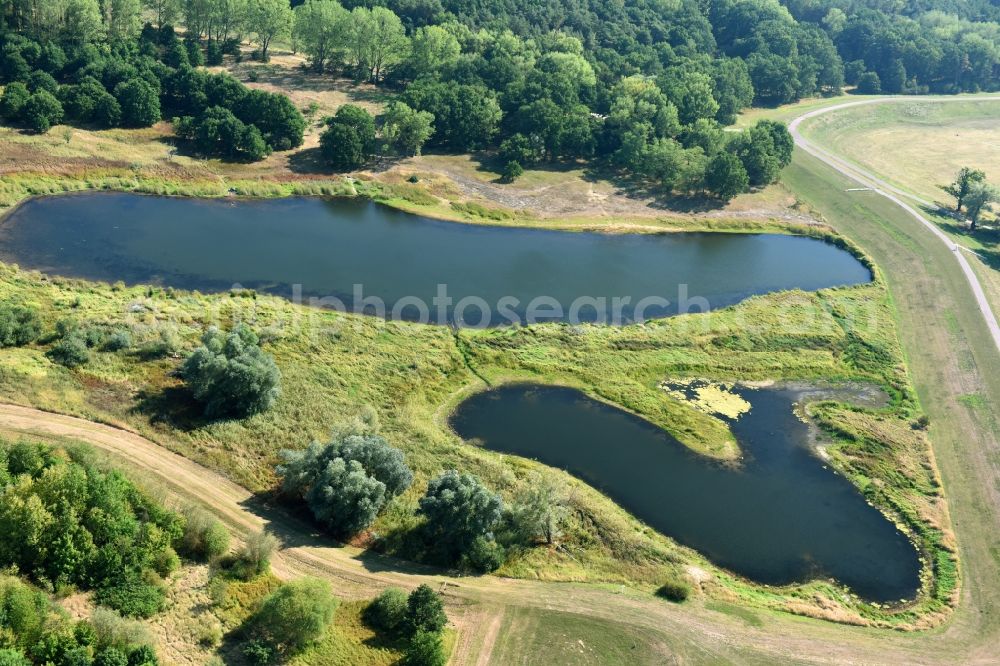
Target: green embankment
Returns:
[[950, 356]]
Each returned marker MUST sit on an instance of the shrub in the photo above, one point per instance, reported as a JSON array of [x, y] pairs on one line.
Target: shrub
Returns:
[[112, 630], [213, 55], [210, 636], [869, 83], [511, 172], [484, 555], [133, 597], [388, 610], [18, 326], [111, 657], [297, 613], [26, 458], [346, 482], [258, 653], [254, 557], [459, 509], [94, 336], [230, 374], [42, 111], [9, 657], [425, 611], [144, 655], [23, 610], [205, 537], [118, 340], [71, 351], [674, 590], [425, 649], [166, 562], [194, 55]]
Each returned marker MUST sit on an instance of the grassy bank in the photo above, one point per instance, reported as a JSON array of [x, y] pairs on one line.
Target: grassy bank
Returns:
[[431, 196]]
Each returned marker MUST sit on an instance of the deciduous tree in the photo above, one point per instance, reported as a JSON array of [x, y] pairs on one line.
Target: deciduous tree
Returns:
[[406, 130], [322, 28], [962, 185], [269, 20]]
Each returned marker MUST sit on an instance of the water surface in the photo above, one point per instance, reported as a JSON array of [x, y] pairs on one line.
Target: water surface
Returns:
[[327, 246], [782, 516]]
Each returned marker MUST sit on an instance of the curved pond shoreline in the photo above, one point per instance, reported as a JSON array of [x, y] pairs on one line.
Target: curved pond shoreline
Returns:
[[779, 517], [359, 256]]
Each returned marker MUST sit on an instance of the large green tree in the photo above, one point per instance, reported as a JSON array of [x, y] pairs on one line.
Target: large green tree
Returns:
[[466, 117], [378, 41], [458, 509], [981, 195], [269, 20], [406, 130], [322, 29], [962, 185], [346, 482], [231, 375]]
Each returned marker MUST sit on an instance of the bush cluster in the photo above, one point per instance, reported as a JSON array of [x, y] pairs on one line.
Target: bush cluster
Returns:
[[417, 618], [346, 482], [294, 616], [136, 84], [66, 522], [35, 632], [230, 375]]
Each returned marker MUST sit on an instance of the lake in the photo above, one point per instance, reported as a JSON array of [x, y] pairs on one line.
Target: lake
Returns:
[[782, 516], [355, 255]]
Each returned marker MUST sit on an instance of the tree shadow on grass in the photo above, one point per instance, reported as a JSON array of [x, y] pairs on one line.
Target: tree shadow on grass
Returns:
[[294, 528], [654, 194], [309, 161], [987, 233], [625, 185], [173, 406], [493, 164]]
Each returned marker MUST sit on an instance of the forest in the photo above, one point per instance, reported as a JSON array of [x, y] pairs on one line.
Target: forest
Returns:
[[641, 89]]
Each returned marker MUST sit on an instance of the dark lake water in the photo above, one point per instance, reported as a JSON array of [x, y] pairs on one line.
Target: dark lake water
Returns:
[[327, 246], [782, 516]]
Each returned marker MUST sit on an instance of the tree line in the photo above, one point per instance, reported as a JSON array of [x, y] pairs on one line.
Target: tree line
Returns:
[[641, 87], [912, 46], [59, 68]]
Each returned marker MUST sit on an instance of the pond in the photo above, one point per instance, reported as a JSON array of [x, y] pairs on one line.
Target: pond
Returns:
[[782, 516], [356, 255]]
